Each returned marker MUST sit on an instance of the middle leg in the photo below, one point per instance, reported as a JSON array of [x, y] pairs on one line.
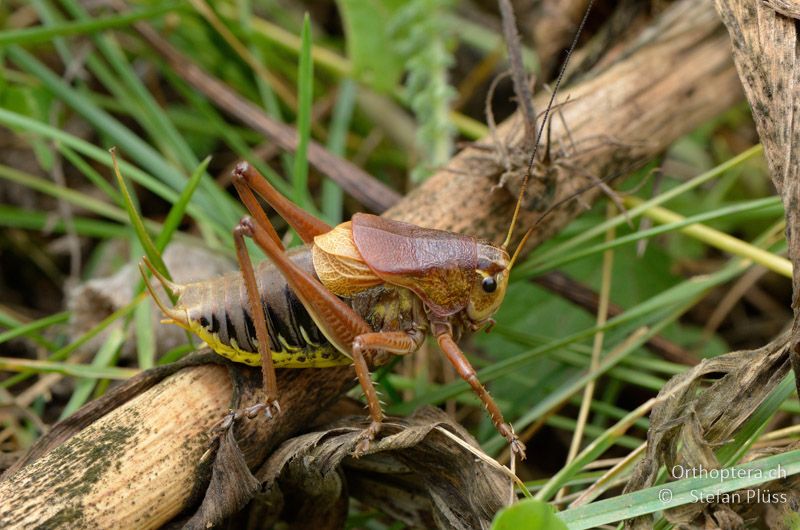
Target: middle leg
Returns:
[[392, 342]]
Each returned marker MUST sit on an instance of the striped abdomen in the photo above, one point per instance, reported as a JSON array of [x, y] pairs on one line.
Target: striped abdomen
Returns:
[[218, 312]]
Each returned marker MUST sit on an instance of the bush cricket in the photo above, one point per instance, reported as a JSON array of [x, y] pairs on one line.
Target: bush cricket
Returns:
[[361, 292]]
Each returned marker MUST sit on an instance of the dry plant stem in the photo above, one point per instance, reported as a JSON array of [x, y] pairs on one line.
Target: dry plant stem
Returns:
[[150, 449], [521, 85], [553, 23], [787, 8], [609, 478], [688, 79], [274, 82], [768, 60], [122, 448], [617, 119], [476, 77], [268, 150]]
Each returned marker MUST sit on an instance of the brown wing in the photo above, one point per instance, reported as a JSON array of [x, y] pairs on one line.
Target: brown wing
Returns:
[[438, 266]]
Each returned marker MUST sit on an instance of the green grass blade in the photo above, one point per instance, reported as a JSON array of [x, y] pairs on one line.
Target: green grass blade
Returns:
[[31, 328], [236, 138], [13, 217], [124, 138], [682, 492], [90, 173], [64, 352], [12, 120], [178, 209], [49, 16], [145, 337], [590, 453], [601, 228], [593, 431], [332, 194], [305, 83], [720, 240], [45, 34], [105, 358], [530, 269], [577, 382], [152, 116], [29, 366], [138, 225], [175, 353], [75, 197], [7, 320]]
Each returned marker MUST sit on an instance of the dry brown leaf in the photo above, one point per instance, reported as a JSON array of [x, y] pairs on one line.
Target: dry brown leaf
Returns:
[[692, 419], [414, 473]]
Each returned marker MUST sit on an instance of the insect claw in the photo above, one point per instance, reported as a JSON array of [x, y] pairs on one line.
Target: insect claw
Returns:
[[240, 171], [225, 423], [365, 439], [518, 448], [270, 409]]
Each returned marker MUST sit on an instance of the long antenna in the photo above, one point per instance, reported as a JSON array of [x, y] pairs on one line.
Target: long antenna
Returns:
[[552, 208], [539, 134]]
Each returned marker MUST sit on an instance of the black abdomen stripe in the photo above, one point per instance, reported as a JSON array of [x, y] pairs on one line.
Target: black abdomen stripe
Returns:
[[302, 319]]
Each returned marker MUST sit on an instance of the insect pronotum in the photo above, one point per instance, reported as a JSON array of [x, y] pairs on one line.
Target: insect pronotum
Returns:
[[358, 293]]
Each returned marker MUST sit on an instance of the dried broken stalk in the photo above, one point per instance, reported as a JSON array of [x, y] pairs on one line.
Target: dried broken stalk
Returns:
[[617, 119], [692, 419]]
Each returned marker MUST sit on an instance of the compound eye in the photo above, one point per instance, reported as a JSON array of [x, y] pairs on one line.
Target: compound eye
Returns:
[[489, 284]]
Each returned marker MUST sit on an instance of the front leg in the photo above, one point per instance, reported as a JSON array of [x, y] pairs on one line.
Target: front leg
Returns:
[[456, 357]]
